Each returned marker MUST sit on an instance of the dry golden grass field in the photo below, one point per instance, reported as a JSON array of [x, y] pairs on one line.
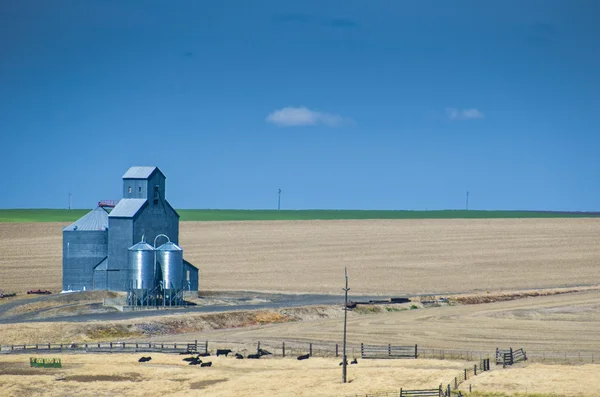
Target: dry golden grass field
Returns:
[[121, 374], [383, 256]]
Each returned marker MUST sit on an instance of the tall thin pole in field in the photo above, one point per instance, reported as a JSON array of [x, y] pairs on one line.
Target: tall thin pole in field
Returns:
[[344, 359], [467, 206], [279, 199], [70, 200]]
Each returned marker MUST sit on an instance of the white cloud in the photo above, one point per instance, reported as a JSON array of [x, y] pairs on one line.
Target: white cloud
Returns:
[[464, 114], [298, 116]]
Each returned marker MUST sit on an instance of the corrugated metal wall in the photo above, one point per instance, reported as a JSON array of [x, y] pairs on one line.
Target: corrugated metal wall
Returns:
[[82, 251], [144, 188], [193, 275], [120, 238]]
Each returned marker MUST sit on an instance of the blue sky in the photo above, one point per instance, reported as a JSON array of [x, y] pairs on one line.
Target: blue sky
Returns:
[[341, 104]]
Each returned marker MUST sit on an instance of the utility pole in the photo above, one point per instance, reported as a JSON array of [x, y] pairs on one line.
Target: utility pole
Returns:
[[344, 359], [70, 200], [467, 206], [279, 199]]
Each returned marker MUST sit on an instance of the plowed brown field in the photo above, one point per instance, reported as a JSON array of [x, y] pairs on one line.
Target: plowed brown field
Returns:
[[383, 256]]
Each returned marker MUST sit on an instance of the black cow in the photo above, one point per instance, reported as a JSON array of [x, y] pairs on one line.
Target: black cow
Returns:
[[204, 354], [195, 362], [263, 352], [355, 361], [224, 352], [254, 356], [144, 359], [239, 356], [304, 357], [208, 364]]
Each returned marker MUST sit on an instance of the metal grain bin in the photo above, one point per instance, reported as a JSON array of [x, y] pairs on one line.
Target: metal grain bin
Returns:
[[141, 267], [170, 257]]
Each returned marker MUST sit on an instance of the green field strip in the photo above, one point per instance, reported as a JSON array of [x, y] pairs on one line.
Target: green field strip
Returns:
[[63, 215]]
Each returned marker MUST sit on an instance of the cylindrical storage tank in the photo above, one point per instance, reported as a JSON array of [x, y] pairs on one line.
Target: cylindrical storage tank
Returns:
[[170, 257], [141, 266]]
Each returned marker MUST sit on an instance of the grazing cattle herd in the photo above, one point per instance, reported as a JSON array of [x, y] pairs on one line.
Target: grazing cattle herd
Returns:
[[194, 358]]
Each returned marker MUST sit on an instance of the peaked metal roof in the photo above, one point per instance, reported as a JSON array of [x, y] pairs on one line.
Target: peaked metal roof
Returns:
[[141, 246], [96, 219], [127, 208], [140, 172], [169, 246], [186, 263]]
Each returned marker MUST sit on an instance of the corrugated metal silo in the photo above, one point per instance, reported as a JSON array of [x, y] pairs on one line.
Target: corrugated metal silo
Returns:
[[170, 257], [141, 266]]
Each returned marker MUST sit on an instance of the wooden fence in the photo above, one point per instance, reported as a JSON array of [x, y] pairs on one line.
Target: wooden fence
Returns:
[[439, 392], [107, 347], [510, 356], [389, 351]]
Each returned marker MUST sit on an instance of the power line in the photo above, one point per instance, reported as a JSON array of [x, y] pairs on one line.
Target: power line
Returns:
[[279, 199], [344, 359]]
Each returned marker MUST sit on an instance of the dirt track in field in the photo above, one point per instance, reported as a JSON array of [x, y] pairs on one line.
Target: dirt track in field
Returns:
[[383, 256], [558, 323]]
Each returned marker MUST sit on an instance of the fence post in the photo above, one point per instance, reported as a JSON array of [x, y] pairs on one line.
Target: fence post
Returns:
[[258, 347], [455, 383], [337, 352], [475, 369], [123, 345], [310, 349], [362, 350], [416, 355], [206, 347], [110, 345], [465, 374], [283, 348]]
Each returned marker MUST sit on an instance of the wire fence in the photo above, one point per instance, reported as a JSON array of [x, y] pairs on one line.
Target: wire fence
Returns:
[[295, 348]]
